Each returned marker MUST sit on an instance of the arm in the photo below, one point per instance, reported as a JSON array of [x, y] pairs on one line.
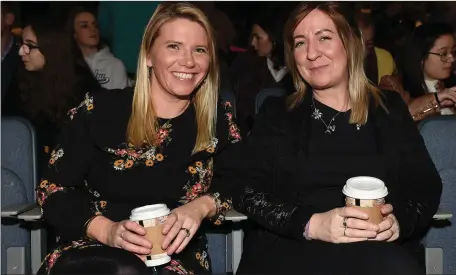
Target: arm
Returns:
[[420, 188], [63, 198], [225, 166], [252, 193]]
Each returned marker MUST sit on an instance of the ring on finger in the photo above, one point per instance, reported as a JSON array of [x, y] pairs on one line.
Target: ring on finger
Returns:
[[186, 231], [344, 222]]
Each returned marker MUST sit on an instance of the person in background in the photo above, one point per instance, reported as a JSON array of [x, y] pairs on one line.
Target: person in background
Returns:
[[121, 25], [11, 61], [260, 68], [304, 148], [378, 62], [429, 55], [107, 69], [167, 140], [51, 81]]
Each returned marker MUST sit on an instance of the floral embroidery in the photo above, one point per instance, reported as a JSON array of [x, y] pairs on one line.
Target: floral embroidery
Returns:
[[87, 103], [234, 134], [202, 258], [201, 176], [148, 154], [45, 189], [56, 155], [52, 257], [176, 266], [99, 207], [222, 208]]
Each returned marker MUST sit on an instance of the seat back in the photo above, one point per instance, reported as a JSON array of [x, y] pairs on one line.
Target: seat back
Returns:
[[265, 93], [228, 95], [19, 152], [439, 134], [217, 247]]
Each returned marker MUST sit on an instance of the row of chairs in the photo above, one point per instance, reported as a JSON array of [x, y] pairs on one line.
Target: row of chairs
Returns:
[[23, 237]]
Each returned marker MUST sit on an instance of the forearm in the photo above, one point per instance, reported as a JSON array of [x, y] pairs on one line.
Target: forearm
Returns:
[[98, 228], [423, 106]]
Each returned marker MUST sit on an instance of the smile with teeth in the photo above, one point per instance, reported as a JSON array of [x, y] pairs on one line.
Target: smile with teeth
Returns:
[[183, 76]]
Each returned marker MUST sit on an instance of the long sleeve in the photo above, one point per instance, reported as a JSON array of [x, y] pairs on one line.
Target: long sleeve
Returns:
[[226, 164], [65, 202], [252, 193], [418, 196]]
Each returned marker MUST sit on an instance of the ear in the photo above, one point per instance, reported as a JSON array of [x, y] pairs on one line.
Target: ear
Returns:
[[149, 61], [9, 19]]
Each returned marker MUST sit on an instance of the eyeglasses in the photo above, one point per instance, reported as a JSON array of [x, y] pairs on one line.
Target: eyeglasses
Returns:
[[27, 47], [446, 56]]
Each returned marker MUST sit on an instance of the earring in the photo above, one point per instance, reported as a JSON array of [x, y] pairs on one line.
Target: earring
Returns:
[[149, 71]]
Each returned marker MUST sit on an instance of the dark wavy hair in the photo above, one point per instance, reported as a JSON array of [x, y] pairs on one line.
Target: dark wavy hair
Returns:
[[50, 92], [273, 25], [416, 50]]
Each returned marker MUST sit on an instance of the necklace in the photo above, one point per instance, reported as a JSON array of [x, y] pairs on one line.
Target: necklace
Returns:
[[329, 127]]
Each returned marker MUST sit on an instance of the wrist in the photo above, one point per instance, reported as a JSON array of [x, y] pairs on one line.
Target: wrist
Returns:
[[206, 205], [99, 228], [312, 225]]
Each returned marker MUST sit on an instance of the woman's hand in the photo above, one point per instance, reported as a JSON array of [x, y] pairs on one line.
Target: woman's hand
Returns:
[[126, 234], [447, 97], [389, 227], [330, 226], [183, 222]]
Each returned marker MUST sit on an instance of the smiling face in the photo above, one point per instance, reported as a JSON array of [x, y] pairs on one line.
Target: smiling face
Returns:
[[319, 53], [179, 57]]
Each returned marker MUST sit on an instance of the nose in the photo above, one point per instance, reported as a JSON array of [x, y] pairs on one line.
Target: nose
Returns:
[[312, 51], [187, 60], [21, 50]]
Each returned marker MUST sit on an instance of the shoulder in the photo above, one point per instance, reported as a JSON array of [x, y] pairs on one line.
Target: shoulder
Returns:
[[394, 103], [104, 103]]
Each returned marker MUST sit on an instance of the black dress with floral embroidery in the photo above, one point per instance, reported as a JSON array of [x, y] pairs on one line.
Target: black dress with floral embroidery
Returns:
[[93, 171]]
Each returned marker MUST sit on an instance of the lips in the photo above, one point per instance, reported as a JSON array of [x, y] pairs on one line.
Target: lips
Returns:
[[317, 68], [184, 76]]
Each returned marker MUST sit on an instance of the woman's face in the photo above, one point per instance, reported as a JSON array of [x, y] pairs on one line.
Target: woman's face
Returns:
[[179, 58], [433, 66], [319, 53], [29, 51], [86, 30], [261, 41]]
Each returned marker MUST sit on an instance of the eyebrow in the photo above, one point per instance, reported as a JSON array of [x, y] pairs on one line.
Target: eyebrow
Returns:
[[317, 33], [30, 41], [180, 43]]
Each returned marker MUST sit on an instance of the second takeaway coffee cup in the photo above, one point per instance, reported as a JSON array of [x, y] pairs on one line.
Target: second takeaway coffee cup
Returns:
[[367, 194], [152, 218]]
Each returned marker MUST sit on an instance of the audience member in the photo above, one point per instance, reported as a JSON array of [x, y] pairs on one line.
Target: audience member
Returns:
[[302, 150], [51, 81], [107, 69], [260, 68], [428, 57], [167, 141], [378, 62], [11, 61]]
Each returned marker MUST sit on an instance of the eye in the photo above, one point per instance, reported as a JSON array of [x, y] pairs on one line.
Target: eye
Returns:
[[299, 43], [323, 38], [173, 46], [200, 50]]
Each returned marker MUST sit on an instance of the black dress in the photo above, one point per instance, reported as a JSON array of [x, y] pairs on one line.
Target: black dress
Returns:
[[302, 172], [93, 171]]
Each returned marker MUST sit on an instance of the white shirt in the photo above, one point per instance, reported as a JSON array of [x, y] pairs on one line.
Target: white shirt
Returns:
[[430, 84], [276, 74]]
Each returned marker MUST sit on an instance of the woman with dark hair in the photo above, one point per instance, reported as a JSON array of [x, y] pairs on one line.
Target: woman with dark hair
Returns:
[[260, 68], [52, 81], [429, 54], [107, 69]]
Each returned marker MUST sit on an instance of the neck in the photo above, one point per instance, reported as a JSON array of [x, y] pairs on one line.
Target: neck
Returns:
[[165, 105], [87, 51], [6, 39], [336, 98]]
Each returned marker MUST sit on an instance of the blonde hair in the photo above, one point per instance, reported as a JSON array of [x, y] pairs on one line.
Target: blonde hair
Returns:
[[143, 123], [359, 85]]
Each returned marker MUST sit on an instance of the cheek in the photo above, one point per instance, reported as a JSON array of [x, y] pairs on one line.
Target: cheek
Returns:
[[203, 63]]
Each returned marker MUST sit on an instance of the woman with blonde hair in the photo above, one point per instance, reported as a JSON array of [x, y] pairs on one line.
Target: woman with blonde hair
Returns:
[[169, 141], [302, 151]]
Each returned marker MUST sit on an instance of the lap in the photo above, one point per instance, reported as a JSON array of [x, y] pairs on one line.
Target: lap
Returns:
[[89, 257]]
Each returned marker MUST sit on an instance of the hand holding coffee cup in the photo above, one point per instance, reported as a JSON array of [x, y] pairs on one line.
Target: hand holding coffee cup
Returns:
[[389, 229]]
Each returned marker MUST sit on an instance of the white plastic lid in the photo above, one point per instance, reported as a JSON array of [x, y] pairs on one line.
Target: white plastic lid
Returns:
[[365, 188], [149, 212]]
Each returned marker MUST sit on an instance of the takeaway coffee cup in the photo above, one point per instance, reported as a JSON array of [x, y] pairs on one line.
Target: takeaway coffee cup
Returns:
[[367, 194], [152, 218]]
